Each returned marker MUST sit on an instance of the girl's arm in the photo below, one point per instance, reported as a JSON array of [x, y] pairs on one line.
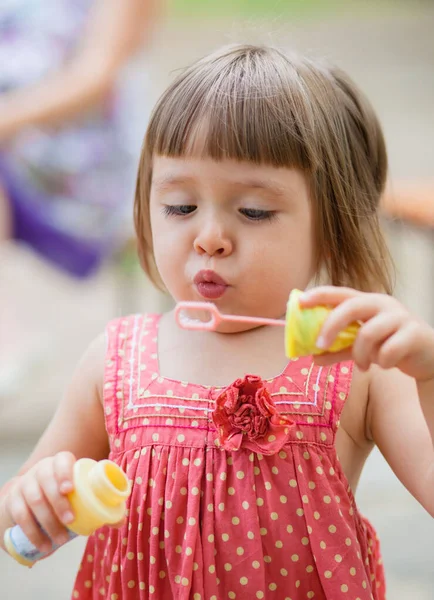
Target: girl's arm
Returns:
[[398, 350], [77, 430], [78, 423], [401, 423], [115, 30]]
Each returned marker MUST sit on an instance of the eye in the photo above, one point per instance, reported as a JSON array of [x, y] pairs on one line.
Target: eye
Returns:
[[255, 214], [179, 210]]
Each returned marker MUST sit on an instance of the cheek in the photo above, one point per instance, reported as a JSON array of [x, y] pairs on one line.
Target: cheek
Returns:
[[286, 259], [291, 245], [160, 227], [301, 245], [168, 266], [161, 240], [166, 260], [169, 253]]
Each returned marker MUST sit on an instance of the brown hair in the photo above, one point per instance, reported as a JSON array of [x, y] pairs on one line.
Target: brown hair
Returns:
[[253, 103]]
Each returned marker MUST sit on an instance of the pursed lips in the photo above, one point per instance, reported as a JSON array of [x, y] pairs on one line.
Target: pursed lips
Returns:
[[209, 284]]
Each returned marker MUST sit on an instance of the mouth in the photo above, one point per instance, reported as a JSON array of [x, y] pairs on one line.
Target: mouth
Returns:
[[210, 285]]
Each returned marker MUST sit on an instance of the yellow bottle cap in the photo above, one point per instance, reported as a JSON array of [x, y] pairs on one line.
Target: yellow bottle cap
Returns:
[[100, 492]]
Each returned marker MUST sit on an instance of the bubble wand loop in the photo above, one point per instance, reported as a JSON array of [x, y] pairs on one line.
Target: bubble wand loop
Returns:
[[302, 325]]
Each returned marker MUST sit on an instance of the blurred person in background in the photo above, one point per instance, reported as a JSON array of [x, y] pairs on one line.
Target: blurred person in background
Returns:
[[68, 150]]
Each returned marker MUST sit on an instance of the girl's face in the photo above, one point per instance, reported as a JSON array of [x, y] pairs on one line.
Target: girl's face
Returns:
[[233, 233]]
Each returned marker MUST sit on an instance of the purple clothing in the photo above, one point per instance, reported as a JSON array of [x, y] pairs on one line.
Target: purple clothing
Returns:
[[71, 186]]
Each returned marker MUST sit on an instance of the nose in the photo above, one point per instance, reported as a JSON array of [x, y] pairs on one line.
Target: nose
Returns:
[[212, 240]]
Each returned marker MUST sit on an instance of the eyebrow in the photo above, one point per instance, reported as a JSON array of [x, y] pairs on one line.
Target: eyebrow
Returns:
[[168, 180], [267, 185]]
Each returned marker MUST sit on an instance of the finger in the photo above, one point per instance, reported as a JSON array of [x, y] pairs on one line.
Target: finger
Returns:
[[42, 511], [327, 295], [371, 337], [22, 515], [59, 504], [64, 471], [330, 358], [396, 348], [361, 308]]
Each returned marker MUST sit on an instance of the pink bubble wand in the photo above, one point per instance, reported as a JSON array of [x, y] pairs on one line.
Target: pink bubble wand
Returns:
[[216, 317]]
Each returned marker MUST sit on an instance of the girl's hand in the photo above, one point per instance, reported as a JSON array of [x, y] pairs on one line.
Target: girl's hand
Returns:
[[389, 335], [38, 499]]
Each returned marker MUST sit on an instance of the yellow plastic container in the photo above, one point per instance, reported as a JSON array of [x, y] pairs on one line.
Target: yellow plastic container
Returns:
[[303, 326], [98, 498]]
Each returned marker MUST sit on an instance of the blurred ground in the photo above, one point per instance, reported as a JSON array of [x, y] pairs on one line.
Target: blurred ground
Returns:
[[391, 55]]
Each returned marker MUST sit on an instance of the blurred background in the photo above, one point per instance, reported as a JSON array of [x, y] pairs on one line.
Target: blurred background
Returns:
[[51, 307]]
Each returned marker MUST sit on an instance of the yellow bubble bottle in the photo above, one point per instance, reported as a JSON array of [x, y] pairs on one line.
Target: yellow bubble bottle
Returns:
[[303, 326], [98, 498]]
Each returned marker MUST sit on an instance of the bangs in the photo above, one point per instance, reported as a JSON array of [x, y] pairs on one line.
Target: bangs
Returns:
[[236, 105]]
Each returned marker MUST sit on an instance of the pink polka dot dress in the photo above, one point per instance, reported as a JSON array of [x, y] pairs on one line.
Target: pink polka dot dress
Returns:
[[237, 492]]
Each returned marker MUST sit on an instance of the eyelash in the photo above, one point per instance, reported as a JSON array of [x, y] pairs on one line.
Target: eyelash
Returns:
[[177, 210], [182, 210], [258, 215]]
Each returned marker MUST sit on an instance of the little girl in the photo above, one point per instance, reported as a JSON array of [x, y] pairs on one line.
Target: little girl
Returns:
[[259, 174]]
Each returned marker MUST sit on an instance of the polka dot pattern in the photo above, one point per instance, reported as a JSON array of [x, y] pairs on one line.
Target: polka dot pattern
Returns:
[[207, 524]]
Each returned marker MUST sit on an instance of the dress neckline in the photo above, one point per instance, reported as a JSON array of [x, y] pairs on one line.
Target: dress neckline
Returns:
[[155, 329]]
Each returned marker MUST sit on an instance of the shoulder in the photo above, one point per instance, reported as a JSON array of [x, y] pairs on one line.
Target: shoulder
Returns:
[[89, 371], [373, 394], [125, 340], [108, 346]]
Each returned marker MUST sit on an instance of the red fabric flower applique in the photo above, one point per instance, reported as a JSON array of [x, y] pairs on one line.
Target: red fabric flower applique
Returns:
[[245, 415]]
